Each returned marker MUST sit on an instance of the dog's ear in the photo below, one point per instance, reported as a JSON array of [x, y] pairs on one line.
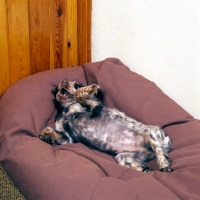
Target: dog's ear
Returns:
[[56, 103], [54, 91], [77, 85], [99, 95]]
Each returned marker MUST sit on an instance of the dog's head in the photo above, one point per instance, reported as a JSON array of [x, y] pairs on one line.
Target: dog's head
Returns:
[[66, 92]]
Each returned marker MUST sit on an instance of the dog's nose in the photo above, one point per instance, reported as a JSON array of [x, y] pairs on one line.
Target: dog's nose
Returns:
[[64, 82]]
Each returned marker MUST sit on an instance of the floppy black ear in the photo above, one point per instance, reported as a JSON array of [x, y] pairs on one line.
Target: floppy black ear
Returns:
[[56, 103], [54, 91], [77, 85]]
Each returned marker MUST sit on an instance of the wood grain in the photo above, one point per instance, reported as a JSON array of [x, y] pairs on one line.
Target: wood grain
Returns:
[[72, 58], [4, 66], [63, 33], [84, 31], [58, 33], [55, 13], [18, 39], [38, 35]]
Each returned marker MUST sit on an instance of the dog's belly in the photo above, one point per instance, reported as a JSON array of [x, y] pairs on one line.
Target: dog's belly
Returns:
[[119, 135]]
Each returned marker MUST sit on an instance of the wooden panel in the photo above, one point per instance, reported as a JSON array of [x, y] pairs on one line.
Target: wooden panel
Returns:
[[63, 33], [84, 31], [18, 39], [65, 40], [39, 35], [72, 58], [4, 66], [55, 13]]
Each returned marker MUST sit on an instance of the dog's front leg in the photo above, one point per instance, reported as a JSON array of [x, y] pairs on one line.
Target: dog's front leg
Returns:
[[51, 136]]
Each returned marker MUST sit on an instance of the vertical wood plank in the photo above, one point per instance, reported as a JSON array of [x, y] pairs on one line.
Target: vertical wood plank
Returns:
[[84, 31], [39, 35], [64, 33], [88, 22], [72, 58], [4, 66], [18, 39], [59, 33], [55, 13]]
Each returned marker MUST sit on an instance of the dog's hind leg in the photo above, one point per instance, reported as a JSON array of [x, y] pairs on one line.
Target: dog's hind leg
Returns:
[[160, 145], [132, 160], [51, 136]]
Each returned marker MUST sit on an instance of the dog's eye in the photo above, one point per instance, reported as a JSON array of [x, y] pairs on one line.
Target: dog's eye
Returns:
[[63, 91], [77, 85]]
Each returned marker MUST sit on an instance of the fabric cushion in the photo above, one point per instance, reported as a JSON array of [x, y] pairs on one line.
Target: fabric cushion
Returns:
[[74, 171]]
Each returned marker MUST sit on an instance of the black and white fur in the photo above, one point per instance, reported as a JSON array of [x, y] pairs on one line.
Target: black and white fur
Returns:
[[85, 119]]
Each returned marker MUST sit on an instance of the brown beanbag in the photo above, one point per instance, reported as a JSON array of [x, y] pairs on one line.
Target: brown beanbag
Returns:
[[74, 171]]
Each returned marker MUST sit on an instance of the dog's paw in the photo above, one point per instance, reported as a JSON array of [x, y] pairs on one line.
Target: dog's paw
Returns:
[[87, 92], [146, 169], [45, 136], [166, 169]]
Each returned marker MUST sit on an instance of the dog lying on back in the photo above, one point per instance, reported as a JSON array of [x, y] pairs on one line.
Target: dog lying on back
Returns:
[[85, 119]]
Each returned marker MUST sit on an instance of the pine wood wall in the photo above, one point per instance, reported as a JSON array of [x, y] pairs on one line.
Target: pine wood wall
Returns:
[[38, 35]]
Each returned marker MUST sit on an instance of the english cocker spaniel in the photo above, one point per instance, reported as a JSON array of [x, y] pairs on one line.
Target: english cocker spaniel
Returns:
[[85, 119]]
